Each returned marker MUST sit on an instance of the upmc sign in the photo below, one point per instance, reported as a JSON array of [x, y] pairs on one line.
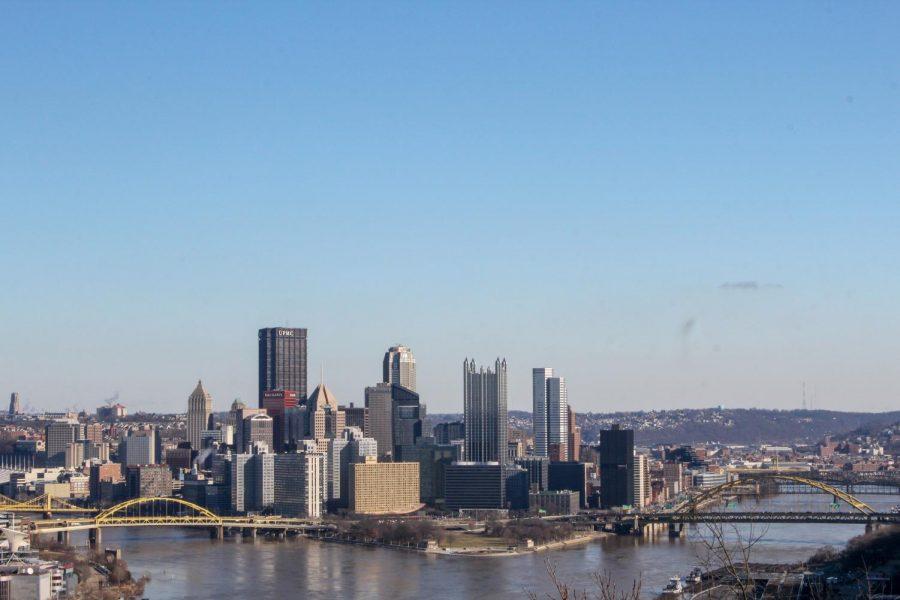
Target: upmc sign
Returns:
[[286, 332]]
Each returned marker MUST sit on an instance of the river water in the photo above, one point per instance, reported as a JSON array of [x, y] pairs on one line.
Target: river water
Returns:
[[187, 564]]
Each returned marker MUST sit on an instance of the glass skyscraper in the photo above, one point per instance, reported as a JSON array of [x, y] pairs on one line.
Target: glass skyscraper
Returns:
[[485, 401]]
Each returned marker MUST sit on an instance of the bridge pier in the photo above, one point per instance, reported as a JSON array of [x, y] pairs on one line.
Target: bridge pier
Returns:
[[95, 538], [250, 532], [217, 532], [676, 530], [64, 537]]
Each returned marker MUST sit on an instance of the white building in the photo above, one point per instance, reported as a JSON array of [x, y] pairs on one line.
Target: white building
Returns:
[[399, 367], [550, 407], [300, 484], [641, 479]]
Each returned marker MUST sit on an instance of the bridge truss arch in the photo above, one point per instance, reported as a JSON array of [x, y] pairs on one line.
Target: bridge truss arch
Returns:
[[157, 511], [693, 505]]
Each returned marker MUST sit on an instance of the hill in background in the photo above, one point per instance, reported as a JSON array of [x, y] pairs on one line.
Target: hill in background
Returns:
[[724, 425]]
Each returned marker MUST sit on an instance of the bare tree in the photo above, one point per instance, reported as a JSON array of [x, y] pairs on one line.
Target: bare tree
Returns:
[[729, 551], [604, 588]]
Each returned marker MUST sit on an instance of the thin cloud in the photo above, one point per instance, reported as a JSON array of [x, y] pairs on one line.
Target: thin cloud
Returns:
[[749, 286]]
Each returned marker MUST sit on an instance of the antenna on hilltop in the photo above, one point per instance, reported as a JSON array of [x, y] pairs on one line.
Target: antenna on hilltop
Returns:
[[804, 395]]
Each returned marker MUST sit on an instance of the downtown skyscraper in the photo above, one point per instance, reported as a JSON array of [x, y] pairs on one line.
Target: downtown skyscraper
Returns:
[[550, 416], [399, 367], [282, 361], [199, 411], [485, 401]]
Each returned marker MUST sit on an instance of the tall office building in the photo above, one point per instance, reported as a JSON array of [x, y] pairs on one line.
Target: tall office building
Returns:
[[139, 448], [257, 429], [300, 484], [239, 415], [350, 447], [14, 406], [574, 437], [252, 481], [539, 377], [558, 415], [641, 478], [380, 404], [276, 404], [445, 433], [198, 415], [399, 367], [327, 420], [409, 416], [616, 467], [484, 399], [357, 416], [395, 418], [550, 414], [282, 361], [57, 437]]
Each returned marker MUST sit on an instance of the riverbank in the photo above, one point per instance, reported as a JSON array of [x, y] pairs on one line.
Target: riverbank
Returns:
[[467, 551], [101, 575]]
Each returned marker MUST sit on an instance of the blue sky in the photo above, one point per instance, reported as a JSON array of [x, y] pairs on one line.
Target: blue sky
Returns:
[[574, 185]]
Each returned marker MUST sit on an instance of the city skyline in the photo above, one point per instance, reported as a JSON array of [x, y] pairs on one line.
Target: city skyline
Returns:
[[659, 238], [698, 189]]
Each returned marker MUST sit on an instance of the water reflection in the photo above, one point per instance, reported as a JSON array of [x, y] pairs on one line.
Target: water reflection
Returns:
[[187, 564]]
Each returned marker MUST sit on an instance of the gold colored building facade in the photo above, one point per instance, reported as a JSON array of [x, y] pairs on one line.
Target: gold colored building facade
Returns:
[[384, 488]]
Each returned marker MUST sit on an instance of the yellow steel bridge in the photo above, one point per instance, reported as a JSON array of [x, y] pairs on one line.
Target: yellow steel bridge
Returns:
[[695, 503]]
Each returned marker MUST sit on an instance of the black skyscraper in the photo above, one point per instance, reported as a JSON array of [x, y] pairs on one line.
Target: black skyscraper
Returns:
[[616, 467], [282, 361]]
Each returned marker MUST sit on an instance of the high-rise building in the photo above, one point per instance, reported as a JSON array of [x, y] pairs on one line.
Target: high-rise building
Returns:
[[276, 403], [396, 418], [239, 414], [74, 455], [641, 481], [673, 475], [256, 429], [408, 418], [325, 418], [538, 468], [103, 472], [357, 416], [57, 437], [198, 415], [474, 485], [485, 401], [384, 488], [445, 433], [399, 367], [149, 481], [574, 437], [558, 415], [282, 361], [539, 377], [433, 461], [380, 403], [570, 476], [139, 448], [350, 447], [252, 481], [550, 414], [14, 407], [616, 467], [93, 432], [300, 484]]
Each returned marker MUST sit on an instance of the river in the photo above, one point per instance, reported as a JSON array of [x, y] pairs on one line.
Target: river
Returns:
[[187, 564]]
